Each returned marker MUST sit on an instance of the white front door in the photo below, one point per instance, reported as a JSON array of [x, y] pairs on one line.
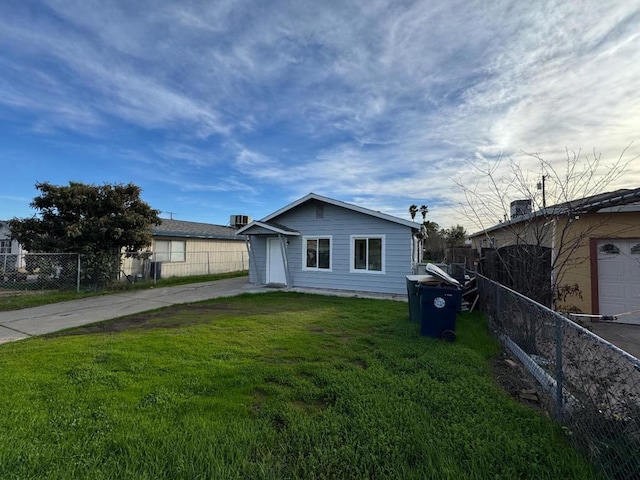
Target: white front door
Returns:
[[619, 279], [275, 262]]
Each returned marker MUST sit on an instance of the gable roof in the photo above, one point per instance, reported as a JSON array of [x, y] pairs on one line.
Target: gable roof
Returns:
[[260, 227], [610, 202], [182, 229], [338, 203]]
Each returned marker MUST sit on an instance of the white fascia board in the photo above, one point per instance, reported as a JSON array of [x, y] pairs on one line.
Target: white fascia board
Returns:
[[348, 206]]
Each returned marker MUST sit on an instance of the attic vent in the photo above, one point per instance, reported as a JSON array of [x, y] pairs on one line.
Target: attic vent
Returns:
[[239, 221]]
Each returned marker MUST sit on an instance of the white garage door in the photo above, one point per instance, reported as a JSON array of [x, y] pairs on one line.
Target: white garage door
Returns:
[[619, 278]]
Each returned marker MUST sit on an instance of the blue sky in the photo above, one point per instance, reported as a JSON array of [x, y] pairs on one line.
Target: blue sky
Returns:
[[239, 106]]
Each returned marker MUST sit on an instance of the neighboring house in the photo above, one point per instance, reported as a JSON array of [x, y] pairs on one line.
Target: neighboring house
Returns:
[[318, 242], [10, 250], [178, 248], [7, 244], [181, 248], [596, 239]]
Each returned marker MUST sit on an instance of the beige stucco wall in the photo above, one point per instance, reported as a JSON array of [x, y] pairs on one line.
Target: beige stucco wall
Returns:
[[205, 256], [580, 266], [536, 232], [571, 245]]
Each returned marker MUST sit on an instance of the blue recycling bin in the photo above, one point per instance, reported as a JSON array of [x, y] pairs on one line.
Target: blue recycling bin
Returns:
[[439, 306]]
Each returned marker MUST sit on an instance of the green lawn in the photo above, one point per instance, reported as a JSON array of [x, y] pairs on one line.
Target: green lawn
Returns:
[[272, 386]]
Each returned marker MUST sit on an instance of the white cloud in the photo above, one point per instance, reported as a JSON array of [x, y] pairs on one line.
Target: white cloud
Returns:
[[386, 101]]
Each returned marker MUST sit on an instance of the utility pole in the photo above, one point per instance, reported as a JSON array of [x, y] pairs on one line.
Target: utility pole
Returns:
[[541, 187]]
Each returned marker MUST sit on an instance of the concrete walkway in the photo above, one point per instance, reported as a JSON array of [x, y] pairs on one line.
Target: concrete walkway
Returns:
[[29, 322]]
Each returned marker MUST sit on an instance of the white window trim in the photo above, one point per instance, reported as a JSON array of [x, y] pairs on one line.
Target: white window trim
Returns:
[[304, 253], [352, 255], [7, 246], [170, 252]]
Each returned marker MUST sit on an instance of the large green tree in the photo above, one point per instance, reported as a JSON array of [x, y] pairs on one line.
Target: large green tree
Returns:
[[454, 236], [98, 221]]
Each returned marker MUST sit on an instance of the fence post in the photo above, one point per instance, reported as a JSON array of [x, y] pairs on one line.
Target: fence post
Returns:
[[559, 398], [155, 268], [78, 276], [208, 264]]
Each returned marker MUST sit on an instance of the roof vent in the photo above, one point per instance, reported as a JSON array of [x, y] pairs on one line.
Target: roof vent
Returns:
[[239, 221], [520, 208]]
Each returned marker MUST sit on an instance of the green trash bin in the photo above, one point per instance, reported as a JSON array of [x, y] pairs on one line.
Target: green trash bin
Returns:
[[413, 295]]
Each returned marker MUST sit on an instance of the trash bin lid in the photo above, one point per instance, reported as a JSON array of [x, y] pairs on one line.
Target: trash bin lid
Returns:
[[442, 275], [421, 278]]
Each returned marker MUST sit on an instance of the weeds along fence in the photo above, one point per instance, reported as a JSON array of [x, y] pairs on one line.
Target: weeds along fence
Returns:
[[39, 271], [590, 386]]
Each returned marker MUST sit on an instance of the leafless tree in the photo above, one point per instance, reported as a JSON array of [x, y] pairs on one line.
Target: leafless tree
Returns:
[[548, 241]]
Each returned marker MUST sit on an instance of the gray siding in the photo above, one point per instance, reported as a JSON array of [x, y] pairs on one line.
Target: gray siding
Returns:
[[258, 272], [341, 223]]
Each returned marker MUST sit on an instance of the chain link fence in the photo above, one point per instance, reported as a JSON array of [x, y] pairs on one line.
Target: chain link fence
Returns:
[[71, 271], [39, 271], [590, 386]]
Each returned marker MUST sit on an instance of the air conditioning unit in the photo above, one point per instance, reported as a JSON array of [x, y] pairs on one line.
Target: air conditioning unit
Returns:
[[239, 221], [520, 208]]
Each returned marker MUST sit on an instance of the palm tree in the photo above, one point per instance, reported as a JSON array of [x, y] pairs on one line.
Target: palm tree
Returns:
[[424, 210], [413, 209]]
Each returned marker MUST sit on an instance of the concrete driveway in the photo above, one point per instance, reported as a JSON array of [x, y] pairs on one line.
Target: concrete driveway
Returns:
[[28, 322], [624, 336]]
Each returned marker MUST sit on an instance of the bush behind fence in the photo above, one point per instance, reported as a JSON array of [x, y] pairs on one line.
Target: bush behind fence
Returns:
[[589, 385]]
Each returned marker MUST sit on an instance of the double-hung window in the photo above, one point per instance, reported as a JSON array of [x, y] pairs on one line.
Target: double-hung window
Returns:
[[170, 251], [5, 246], [316, 253], [367, 254]]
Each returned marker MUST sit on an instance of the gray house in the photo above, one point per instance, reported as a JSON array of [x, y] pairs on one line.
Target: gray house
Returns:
[[318, 242]]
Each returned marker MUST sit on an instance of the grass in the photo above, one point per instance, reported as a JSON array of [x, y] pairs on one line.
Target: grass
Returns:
[[269, 386], [16, 300]]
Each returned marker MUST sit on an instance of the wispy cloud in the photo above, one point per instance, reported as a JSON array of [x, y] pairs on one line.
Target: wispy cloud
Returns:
[[382, 101]]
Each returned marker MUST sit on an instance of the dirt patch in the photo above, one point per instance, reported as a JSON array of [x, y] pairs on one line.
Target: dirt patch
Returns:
[[170, 317], [514, 379]]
